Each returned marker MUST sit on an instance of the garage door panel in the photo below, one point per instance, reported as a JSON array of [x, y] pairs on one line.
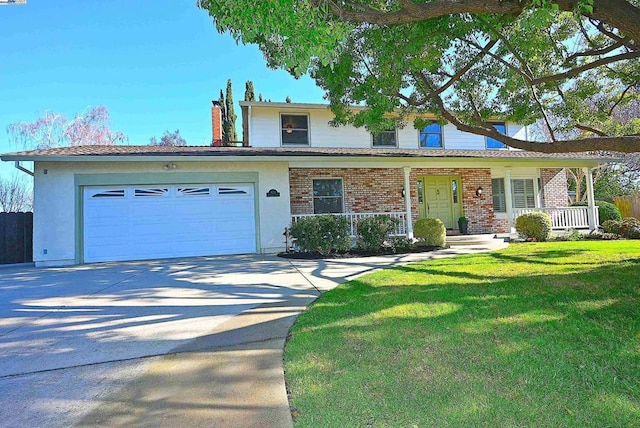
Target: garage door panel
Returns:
[[142, 222]]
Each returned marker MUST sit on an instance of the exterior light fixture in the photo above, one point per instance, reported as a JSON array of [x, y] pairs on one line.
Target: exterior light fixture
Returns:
[[479, 191], [170, 166]]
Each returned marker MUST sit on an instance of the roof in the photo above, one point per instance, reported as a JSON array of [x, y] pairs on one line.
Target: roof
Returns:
[[95, 152]]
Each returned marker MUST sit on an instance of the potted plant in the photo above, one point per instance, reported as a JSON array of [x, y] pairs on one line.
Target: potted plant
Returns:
[[463, 225]]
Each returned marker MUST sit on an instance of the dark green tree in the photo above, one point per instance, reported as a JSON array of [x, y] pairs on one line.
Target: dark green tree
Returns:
[[230, 122], [223, 113], [249, 94], [467, 62]]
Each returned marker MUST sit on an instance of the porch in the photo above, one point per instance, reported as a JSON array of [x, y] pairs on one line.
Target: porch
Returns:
[[562, 218]]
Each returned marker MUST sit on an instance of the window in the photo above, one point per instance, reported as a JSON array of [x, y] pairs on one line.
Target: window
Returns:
[[523, 194], [110, 194], [151, 192], [501, 127], [454, 190], [431, 136], [385, 138], [295, 129], [499, 199], [193, 191], [327, 195]]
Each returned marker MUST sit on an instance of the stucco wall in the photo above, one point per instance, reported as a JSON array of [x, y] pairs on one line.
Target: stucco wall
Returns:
[[55, 192]]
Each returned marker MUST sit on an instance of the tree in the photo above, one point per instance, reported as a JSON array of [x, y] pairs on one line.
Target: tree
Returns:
[[249, 94], [169, 139], [229, 124], [55, 130], [15, 194], [223, 116], [468, 62]]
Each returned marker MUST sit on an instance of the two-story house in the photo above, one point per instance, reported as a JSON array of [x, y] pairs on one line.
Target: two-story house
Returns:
[[103, 203]]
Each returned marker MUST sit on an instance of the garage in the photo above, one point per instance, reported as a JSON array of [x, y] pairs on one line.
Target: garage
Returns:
[[160, 221]]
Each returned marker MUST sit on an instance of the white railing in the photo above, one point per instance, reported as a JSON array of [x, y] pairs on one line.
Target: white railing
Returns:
[[353, 218], [562, 217]]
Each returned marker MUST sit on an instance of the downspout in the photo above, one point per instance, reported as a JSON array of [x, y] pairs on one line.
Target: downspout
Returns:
[[23, 169]]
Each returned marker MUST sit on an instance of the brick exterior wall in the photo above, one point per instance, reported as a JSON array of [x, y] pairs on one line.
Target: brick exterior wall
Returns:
[[380, 190], [216, 124], [478, 210], [365, 189], [554, 187]]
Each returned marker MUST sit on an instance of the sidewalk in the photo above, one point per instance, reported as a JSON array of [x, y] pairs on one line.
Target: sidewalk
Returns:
[[233, 377]]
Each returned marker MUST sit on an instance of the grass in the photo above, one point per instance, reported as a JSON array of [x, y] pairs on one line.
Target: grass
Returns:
[[540, 334]]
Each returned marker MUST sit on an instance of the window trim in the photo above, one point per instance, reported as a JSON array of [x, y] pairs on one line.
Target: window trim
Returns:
[[442, 143], [313, 197], [395, 133], [506, 132], [307, 115]]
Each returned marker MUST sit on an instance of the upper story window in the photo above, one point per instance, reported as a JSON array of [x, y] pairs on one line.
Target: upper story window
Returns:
[[327, 196], [295, 129], [501, 127], [385, 138], [431, 136]]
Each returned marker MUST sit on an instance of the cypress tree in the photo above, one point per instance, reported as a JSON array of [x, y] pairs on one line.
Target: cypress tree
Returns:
[[223, 111], [231, 116], [249, 94]]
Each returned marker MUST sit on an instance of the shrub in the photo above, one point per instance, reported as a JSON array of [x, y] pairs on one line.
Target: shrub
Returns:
[[324, 234], [534, 225], [572, 235], [400, 244], [430, 231], [606, 210], [628, 228], [374, 231]]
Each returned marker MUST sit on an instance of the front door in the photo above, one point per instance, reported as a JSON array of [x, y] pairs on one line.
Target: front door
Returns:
[[438, 197]]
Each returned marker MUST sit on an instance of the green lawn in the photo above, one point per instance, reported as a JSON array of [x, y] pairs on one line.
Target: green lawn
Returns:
[[539, 335]]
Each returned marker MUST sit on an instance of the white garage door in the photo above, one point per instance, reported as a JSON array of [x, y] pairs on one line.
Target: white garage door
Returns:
[[146, 222]]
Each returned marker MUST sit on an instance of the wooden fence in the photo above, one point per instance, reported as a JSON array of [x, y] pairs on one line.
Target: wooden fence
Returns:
[[16, 238], [629, 205]]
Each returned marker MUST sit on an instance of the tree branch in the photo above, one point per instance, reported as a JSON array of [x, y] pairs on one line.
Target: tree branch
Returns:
[[588, 128], [623, 144], [594, 64], [595, 52]]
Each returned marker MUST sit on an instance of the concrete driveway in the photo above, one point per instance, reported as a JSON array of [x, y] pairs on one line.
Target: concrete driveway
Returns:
[[185, 342]]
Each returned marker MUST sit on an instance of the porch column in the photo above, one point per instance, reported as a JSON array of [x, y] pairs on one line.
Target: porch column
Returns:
[[591, 211], [508, 200], [407, 201]]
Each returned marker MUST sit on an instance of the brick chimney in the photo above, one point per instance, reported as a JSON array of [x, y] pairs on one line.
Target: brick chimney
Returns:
[[216, 124]]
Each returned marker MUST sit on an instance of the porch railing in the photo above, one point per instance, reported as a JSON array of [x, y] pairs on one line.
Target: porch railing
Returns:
[[353, 218], [562, 217]]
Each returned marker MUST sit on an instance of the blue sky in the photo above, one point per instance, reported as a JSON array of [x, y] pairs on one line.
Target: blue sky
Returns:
[[156, 64]]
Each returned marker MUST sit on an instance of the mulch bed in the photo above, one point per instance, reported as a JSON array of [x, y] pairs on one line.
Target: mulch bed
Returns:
[[351, 253]]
